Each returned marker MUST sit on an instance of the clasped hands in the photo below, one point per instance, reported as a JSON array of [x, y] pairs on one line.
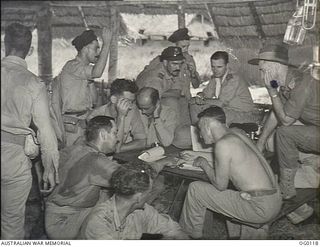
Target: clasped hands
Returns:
[[189, 157]]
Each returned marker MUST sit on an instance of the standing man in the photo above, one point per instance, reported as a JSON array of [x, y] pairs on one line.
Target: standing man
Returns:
[[225, 89], [23, 100], [236, 160], [122, 107], [159, 120], [85, 170], [188, 70], [302, 103], [75, 89]]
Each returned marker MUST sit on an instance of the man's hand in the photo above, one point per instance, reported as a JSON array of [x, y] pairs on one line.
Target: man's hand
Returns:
[[123, 106], [50, 179], [188, 155], [106, 35], [200, 162], [260, 145]]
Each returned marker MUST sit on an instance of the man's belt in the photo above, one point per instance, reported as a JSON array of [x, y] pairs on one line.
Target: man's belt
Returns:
[[12, 138], [257, 193], [77, 113]]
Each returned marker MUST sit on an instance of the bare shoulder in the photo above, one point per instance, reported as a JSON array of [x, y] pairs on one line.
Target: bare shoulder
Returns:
[[228, 142]]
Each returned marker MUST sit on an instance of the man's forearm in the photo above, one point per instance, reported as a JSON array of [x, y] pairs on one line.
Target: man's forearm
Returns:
[[135, 144], [209, 171], [164, 133], [268, 128], [99, 67]]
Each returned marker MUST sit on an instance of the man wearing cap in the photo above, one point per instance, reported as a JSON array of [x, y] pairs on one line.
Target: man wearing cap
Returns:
[[23, 101], [225, 89], [298, 99], [75, 89]]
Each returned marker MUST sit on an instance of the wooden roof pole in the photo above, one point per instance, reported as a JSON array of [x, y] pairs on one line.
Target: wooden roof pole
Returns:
[[181, 17], [257, 21], [83, 18], [212, 18], [113, 55], [44, 43]]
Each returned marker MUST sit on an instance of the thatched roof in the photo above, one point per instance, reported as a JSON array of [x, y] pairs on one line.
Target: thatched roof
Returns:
[[243, 23], [145, 26]]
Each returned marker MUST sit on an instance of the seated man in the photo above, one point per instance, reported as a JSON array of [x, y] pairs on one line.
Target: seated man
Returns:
[[226, 90], [300, 102], [131, 134], [84, 170], [126, 215], [236, 159], [159, 120]]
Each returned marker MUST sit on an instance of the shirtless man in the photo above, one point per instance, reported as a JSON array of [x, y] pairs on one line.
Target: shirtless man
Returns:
[[257, 198]]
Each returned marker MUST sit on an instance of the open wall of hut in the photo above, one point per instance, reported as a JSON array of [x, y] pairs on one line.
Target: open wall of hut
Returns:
[[240, 27]]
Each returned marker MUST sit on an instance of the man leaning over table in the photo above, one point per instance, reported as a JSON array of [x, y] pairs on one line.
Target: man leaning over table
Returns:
[[159, 120], [122, 107], [236, 160]]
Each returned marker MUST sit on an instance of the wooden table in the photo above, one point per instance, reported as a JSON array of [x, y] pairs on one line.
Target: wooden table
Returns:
[[170, 151]]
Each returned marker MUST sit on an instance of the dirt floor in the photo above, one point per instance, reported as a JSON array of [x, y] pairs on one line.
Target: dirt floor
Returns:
[[280, 230]]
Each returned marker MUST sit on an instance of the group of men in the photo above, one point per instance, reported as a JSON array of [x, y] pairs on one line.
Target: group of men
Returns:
[[88, 190]]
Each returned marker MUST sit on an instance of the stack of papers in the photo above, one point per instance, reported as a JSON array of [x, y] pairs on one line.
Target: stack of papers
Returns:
[[260, 95]]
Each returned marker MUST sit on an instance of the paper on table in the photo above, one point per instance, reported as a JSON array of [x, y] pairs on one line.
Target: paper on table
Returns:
[[196, 144], [186, 166], [152, 154], [260, 95]]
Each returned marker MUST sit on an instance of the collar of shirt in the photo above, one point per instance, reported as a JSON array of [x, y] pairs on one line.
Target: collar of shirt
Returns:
[[16, 60]]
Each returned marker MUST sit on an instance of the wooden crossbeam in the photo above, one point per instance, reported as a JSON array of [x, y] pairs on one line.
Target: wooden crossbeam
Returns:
[[257, 20]]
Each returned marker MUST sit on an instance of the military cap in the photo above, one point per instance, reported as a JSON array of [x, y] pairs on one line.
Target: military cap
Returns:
[[84, 39], [172, 53], [180, 34]]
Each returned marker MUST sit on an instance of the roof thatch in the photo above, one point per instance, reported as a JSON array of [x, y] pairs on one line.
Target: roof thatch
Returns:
[[145, 26], [237, 22]]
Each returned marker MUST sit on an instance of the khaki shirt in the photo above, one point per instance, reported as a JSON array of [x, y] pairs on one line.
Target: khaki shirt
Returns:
[[234, 93], [133, 127], [156, 76], [103, 223], [161, 129], [84, 171], [75, 91], [24, 98], [302, 100]]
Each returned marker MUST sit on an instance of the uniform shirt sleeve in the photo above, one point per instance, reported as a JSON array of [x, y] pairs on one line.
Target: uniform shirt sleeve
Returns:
[[79, 70], [297, 100], [165, 126], [210, 90], [229, 90], [138, 132], [101, 171], [161, 224]]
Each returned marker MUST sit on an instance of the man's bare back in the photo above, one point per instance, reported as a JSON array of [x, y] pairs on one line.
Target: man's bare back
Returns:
[[245, 171]]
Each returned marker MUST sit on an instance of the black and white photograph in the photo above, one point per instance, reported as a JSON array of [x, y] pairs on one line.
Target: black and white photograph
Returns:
[[160, 120]]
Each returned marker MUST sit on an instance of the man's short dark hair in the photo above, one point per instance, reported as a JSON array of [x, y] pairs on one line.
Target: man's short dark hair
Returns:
[[220, 55], [119, 86], [18, 37], [215, 112], [130, 179], [96, 124]]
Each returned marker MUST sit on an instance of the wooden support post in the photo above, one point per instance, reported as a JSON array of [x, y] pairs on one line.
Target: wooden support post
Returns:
[[181, 17], [113, 55], [44, 44]]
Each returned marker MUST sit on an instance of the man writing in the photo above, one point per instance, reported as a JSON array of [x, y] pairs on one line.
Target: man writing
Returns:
[[159, 120], [237, 160]]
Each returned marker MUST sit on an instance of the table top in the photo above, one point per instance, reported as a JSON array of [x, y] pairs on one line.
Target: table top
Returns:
[[170, 151]]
